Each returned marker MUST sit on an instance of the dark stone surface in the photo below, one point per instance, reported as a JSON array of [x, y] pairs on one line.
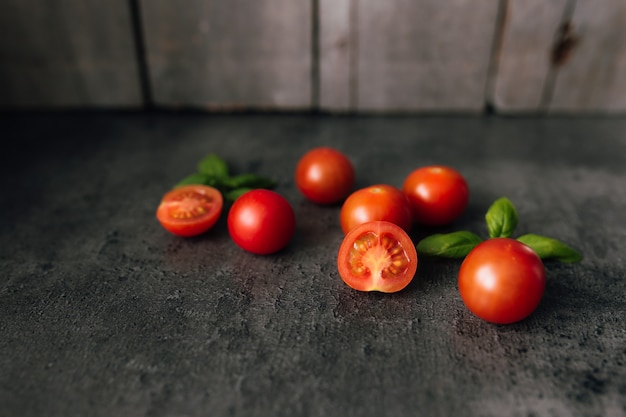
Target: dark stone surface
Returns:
[[103, 313]]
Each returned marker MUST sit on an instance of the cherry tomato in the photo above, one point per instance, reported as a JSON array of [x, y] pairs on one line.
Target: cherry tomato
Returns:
[[377, 256], [325, 175], [376, 202], [261, 221], [190, 210], [438, 194], [502, 280]]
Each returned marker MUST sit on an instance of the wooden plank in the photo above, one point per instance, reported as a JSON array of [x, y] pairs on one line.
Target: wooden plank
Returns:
[[67, 53], [427, 55], [337, 48], [594, 78], [229, 54], [524, 58]]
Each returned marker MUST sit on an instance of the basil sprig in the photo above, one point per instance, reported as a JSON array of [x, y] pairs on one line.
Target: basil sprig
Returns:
[[501, 219], [213, 171]]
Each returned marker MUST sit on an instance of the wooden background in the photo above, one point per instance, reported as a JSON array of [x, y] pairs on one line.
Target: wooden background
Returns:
[[467, 56]]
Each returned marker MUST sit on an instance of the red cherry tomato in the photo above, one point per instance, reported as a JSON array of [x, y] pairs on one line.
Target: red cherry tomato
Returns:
[[261, 221], [502, 280], [325, 175], [377, 256], [190, 210], [376, 202], [438, 194]]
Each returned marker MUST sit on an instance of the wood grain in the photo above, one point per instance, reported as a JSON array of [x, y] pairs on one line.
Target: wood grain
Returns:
[[594, 78], [229, 54], [427, 55], [338, 46], [523, 60], [67, 53]]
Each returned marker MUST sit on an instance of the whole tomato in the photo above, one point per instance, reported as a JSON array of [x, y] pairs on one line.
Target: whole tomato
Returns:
[[261, 221], [376, 202], [324, 175], [438, 194], [502, 280]]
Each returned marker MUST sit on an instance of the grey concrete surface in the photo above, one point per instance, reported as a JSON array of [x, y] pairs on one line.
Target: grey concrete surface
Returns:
[[103, 313]]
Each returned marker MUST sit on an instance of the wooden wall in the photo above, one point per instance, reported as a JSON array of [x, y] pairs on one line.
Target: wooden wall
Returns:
[[507, 56]]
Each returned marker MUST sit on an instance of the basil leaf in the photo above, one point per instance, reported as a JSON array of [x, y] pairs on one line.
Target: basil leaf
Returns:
[[234, 194], [449, 245], [248, 181], [501, 218], [548, 248], [197, 178], [213, 166]]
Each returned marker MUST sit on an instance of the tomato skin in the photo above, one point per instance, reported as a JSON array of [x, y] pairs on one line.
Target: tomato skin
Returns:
[[502, 280], [376, 202], [377, 256], [190, 210], [261, 221], [438, 194], [324, 175]]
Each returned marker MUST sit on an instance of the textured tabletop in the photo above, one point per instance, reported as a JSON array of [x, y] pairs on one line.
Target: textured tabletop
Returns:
[[104, 313]]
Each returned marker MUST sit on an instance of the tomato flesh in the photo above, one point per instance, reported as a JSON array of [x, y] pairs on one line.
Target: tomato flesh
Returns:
[[377, 256], [190, 210], [502, 280]]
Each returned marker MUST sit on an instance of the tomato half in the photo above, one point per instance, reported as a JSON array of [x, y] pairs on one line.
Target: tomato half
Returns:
[[325, 175], [376, 202], [261, 221], [190, 210], [502, 280], [438, 194], [377, 256]]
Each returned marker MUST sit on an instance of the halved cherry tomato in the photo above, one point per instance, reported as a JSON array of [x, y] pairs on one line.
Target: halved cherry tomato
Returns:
[[502, 280], [190, 210], [324, 175], [438, 194], [376, 202], [377, 256]]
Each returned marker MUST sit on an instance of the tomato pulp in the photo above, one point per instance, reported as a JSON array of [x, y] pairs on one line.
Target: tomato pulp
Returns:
[[376, 202], [261, 221], [377, 256], [190, 210], [438, 194], [325, 175], [502, 280]]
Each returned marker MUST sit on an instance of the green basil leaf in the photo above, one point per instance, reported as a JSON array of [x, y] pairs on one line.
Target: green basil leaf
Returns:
[[548, 248], [501, 218], [449, 245], [234, 194], [198, 178], [248, 181], [213, 166]]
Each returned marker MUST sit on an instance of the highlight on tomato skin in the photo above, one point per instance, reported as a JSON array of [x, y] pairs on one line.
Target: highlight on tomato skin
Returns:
[[190, 210], [377, 256]]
